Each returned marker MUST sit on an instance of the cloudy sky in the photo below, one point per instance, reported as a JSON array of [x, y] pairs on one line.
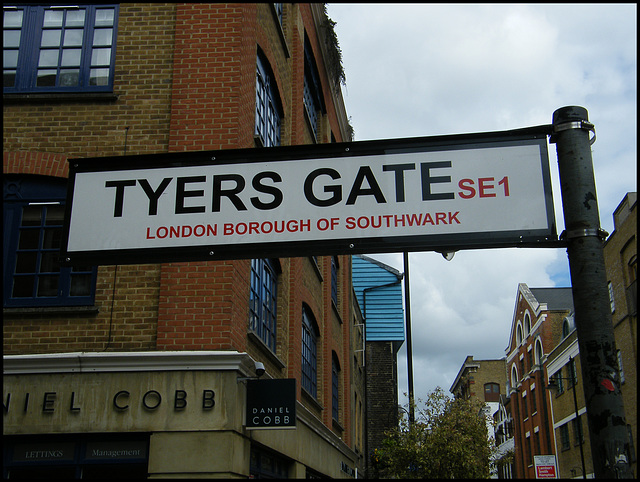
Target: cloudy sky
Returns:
[[426, 69]]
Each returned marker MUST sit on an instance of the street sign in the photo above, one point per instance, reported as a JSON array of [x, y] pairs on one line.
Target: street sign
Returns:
[[545, 466], [271, 404], [431, 193]]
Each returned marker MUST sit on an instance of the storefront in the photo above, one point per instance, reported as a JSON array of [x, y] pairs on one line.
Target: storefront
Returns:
[[152, 415]]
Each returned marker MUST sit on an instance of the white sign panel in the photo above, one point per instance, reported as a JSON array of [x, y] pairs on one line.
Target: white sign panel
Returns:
[[465, 197]]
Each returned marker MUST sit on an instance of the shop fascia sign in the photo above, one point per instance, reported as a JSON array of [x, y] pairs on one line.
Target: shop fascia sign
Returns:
[[416, 194]]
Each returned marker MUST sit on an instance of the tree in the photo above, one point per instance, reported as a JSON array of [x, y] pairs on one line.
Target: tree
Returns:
[[448, 440]]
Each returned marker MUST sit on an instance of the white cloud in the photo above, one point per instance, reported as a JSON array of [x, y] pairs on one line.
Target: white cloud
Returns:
[[434, 69]]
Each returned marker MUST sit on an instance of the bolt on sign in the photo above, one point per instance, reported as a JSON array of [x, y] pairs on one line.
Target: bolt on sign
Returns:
[[545, 466], [271, 404], [440, 193]]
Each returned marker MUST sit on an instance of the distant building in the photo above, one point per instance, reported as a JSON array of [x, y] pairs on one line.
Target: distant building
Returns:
[[535, 329], [483, 381], [378, 289]]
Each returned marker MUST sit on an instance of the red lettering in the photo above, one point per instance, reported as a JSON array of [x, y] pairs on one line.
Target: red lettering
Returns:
[[484, 187], [505, 182], [463, 185], [441, 217]]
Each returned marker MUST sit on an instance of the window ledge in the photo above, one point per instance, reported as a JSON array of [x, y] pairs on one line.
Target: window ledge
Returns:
[[311, 400], [51, 310], [59, 97], [265, 349]]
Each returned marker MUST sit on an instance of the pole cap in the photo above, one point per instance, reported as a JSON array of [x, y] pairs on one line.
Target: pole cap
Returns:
[[570, 113]]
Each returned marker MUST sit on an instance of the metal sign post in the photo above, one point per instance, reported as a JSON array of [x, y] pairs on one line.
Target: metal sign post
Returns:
[[605, 412]]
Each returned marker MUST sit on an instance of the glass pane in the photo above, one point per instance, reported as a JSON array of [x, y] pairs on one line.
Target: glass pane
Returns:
[[48, 285], [46, 78], [99, 77], [53, 18], [11, 38], [26, 262], [104, 16], [29, 239], [13, 19], [73, 37], [49, 262], [101, 57], [31, 216], [75, 18], [48, 58], [102, 36], [54, 216], [51, 38], [9, 78], [69, 78], [80, 285], [23, 287], [10, 59], [52, 238], [71, 57]]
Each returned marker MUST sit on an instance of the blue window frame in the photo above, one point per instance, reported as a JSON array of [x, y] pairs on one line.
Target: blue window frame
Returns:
[[312, 92], [309, 353], [334, 280], [33, 212], [263, 300], [335, 387], [268, 118], [59, 48]]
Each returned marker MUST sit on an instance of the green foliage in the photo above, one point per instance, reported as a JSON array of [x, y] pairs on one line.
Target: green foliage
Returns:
[[448, 440]]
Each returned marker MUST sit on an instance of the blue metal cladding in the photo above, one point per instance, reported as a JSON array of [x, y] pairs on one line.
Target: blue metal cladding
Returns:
[[378, 288]]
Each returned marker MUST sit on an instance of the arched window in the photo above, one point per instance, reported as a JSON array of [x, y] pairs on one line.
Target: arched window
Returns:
[[310, 335], [527, 325], [519, 333], [538, 352], [268, 110], [514, 376]]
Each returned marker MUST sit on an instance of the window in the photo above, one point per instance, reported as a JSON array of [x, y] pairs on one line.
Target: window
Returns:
[[310, 334], [334, 280], [525, 407], [527, 325], [612, 302], [565, 442], [534, 407], [33, 212], [59, 48], [335, 387], [519, 334], [620, 369], [559, 381], [491, 392], [577, 431], [312, 90], [573, 374], [262, 299], [268, 118]]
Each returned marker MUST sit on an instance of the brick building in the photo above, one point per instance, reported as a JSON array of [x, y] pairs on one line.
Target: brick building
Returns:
[[536, 329], [133, 368]]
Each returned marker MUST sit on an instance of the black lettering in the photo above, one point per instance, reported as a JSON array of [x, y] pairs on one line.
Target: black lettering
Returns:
[[180, 401], [115, 400], [231, 193], [144, 400], [335, 190], [427, 180], [26, 402], [5, 404], [71, 407], [154, 195], [374, 189], [119, 185], [207, 399], [47, 402], [399, 170], [275, 192], [181, 193]]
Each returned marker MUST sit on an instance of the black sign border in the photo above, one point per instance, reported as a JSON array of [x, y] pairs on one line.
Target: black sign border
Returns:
[[385, 244]]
